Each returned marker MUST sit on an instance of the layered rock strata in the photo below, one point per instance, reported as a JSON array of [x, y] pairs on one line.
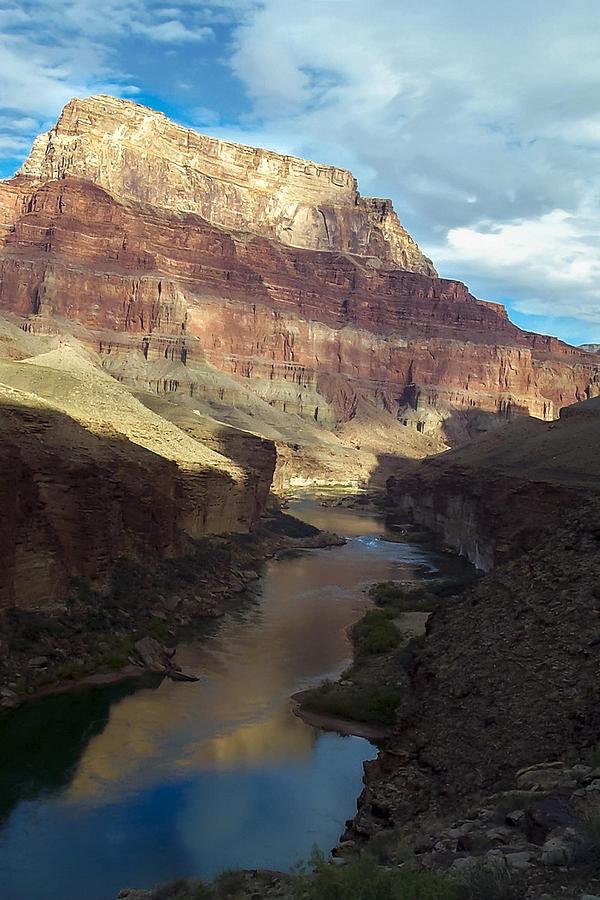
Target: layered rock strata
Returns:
[[92, 476], [357, 350], [138, 154], [239, 281], [494, 498]]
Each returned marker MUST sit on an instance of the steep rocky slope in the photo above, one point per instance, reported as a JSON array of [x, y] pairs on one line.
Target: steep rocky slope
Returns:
[[238, 277], [492, 498], [506, 677], [90, 475], [508, 673]]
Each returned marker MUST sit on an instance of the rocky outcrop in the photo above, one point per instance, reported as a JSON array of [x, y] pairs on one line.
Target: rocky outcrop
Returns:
[[506, 677], [91, 476], [494, 498], [507, 674], [138, 154]]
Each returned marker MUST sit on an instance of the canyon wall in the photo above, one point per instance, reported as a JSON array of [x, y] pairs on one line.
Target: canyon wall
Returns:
[[496, 497], [314, 334], [506, 677], [172, 256], [507, 673], [90, 476]]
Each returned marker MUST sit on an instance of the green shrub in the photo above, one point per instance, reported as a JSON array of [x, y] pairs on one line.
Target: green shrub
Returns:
[[157, 628], [117, 657], [69, 671], [201, 891], [375, 633], [401, 598], [389, 848], [418, 598], [363, 879], [371, 705], [229, 883]]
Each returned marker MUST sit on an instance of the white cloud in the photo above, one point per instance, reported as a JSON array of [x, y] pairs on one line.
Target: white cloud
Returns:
[[204, 116], [464, 113], [52, 50], [172, 32], [12, 146], [551, 262]]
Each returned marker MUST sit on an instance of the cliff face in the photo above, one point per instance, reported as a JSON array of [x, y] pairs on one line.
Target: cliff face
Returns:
[[495, 498], [313, 334], [506, 678], [138, 154], [507, 675], [90, 475], [194, 268]]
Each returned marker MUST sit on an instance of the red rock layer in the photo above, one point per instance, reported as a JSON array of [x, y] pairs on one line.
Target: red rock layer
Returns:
[[177, 287], [56, 523]]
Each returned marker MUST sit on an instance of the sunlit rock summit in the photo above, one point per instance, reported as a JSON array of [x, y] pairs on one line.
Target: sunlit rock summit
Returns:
[[140, 155]]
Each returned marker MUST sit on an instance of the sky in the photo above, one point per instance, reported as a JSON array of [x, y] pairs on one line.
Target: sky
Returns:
[[480, 121]]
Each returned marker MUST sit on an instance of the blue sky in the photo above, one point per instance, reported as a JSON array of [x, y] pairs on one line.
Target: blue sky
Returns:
[[481, 122]]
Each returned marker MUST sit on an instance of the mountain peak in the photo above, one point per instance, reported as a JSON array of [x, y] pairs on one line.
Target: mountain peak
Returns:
[[140, 155]]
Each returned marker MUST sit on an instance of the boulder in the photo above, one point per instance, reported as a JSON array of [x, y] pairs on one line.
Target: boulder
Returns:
[[515, 818], [38, 662], [180, 675], [518, 861], [562, 849], [545, 778], [554, 811], [8, 698], [152, 655]]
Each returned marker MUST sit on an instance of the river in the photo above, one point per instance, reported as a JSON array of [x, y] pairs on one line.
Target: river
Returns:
[[142, 783]]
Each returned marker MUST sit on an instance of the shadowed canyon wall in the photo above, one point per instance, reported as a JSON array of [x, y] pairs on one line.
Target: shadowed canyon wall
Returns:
[[496, 497], [90, 475], [507, 673]]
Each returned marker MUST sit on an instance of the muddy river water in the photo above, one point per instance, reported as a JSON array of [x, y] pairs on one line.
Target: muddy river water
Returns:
[[137, 784]]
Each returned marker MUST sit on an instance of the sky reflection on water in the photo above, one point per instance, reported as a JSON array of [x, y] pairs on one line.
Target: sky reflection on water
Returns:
[[139, 786]]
